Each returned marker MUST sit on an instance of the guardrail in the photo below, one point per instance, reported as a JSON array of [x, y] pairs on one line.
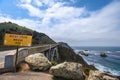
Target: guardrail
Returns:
[[32, 50], [9, 64]]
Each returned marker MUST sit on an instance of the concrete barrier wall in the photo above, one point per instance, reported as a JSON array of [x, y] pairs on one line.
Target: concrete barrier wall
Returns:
[[9, 61], [22, 54], [9, 64], [26, 52]]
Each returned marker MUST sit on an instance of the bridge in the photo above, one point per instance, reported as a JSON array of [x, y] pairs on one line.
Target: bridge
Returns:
[[49, 50]]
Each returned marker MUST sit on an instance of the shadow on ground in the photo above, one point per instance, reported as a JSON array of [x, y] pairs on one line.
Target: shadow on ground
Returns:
[[59, 78]]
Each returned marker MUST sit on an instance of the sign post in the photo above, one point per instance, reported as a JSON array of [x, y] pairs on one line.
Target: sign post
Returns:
[[17, 40], [16, 57]]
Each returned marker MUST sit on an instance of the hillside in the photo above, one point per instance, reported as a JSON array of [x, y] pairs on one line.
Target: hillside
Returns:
[[38, 38], [66, 53]]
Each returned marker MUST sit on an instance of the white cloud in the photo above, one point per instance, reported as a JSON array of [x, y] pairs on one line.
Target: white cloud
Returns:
[[57, 11], [49, 3], [25, 1], [99, 28], [38, 3], [33, 11], [61, 12], [23, 22]]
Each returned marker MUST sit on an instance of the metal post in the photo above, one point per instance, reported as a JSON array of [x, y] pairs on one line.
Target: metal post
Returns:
[[49, 53], [16, 58]]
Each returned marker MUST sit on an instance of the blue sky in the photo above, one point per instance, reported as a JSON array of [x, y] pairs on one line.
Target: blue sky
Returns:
[[77, 22]]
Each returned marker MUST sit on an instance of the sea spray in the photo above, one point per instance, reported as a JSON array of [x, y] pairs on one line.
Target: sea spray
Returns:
[[109, 64]]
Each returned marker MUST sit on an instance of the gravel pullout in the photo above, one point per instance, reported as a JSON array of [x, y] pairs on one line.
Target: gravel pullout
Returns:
[[26, 76]]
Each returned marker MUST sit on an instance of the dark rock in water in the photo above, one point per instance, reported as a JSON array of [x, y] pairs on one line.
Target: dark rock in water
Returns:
[[84, 52], [103, 54]]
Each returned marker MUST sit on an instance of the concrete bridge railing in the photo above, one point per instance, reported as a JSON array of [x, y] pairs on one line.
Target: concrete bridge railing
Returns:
[[50, 51]]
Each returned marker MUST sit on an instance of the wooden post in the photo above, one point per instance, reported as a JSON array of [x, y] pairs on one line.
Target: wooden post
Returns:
[[16, 58]]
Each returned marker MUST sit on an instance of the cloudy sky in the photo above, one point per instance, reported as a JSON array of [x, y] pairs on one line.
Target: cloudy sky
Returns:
[[77, 22]]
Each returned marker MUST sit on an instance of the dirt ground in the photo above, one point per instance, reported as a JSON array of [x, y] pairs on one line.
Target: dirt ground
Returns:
[[26, 76]]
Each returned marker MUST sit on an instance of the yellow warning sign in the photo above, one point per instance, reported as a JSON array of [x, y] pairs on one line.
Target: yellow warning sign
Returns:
[[17, 40]]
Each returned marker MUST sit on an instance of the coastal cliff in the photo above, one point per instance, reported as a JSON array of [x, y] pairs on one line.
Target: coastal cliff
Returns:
[[66, 53]]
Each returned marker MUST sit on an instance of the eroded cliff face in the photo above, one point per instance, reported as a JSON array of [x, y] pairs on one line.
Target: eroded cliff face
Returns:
[[66, 53]]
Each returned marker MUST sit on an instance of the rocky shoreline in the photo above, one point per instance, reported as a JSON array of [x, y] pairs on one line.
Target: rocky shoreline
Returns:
[[70, 66], [87, 70]]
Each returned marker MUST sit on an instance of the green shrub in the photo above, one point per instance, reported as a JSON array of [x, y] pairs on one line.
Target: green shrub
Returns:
[[54, 63]]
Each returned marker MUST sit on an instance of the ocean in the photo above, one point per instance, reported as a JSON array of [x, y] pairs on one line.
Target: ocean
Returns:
[[111, 63]]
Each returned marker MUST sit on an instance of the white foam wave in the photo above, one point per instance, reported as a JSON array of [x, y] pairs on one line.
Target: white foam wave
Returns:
[[106, 69], [100, 66]]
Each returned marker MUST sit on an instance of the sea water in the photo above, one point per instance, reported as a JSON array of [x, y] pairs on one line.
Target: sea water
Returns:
[[111, 63]]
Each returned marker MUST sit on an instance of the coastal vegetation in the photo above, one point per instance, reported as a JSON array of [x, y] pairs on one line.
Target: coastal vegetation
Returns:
[[37, 38]]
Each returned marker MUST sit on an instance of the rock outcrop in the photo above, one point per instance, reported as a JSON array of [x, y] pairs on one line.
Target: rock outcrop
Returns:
[[84, 52], [66, 53], [64, 50], [98, 75], [68, 70], [38, 61], [103, 54]]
